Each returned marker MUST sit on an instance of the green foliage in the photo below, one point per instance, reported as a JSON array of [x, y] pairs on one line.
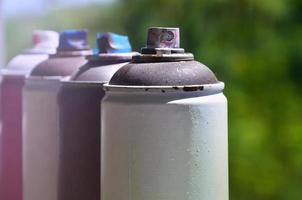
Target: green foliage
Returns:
[[255, 47]]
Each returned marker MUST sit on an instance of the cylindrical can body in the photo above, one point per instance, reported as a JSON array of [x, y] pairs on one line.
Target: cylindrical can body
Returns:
[[12, 82], [164, 145], [79, 108], [11, 159], [40, 139], [41, 127], [79, 118], [41, 116]]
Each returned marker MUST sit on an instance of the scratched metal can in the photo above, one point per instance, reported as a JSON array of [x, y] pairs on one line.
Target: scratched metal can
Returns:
[[40, 120], [11, 85], [164, 127], [79, 114]]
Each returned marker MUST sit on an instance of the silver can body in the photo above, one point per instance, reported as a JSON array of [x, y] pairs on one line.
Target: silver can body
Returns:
[[164, 143], [40, 138]]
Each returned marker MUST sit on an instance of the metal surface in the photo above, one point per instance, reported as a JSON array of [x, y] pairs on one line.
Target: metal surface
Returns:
[[40, 121], [164, 131], [79, 114], [164, 73], [40, 140], [10, 138], [12, 81], [162, 64], [170, 145], [2, 36], [59, 66]]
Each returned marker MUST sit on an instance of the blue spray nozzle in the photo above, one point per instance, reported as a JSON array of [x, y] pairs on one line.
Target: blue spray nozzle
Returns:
[[73, 40], [113, 43]]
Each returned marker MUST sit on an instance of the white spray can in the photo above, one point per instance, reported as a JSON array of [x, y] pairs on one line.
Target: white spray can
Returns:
[[164, 127], [41, 142]]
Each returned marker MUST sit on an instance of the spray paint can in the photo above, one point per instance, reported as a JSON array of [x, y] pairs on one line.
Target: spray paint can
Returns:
[[79, 108], [12, 82], [40, 120], [164, 127]]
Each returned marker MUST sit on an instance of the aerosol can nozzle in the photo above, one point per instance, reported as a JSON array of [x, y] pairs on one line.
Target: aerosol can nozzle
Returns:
[[113, 43], [73, 40]]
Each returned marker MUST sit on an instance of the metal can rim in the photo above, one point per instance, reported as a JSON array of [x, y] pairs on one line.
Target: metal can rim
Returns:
[[216, 87], [70, 83], [59, 54], [9, 72], [112, 56], [44, 78]]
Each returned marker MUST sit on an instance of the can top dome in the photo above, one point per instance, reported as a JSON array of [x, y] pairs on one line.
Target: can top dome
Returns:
[[43, 41], [163, 63], [73, 40]]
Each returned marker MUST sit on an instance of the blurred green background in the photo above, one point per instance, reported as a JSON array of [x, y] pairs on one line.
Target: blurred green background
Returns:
[[254, 46]]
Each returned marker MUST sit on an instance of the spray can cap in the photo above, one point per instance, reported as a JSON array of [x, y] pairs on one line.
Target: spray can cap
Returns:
[[159, 37], [44, 41], [73, 40], [113, 43], [162, 65], [162, 39], [163, 44]]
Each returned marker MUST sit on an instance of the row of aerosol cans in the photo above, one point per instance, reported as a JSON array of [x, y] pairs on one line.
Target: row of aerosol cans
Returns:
[[111, 123]]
